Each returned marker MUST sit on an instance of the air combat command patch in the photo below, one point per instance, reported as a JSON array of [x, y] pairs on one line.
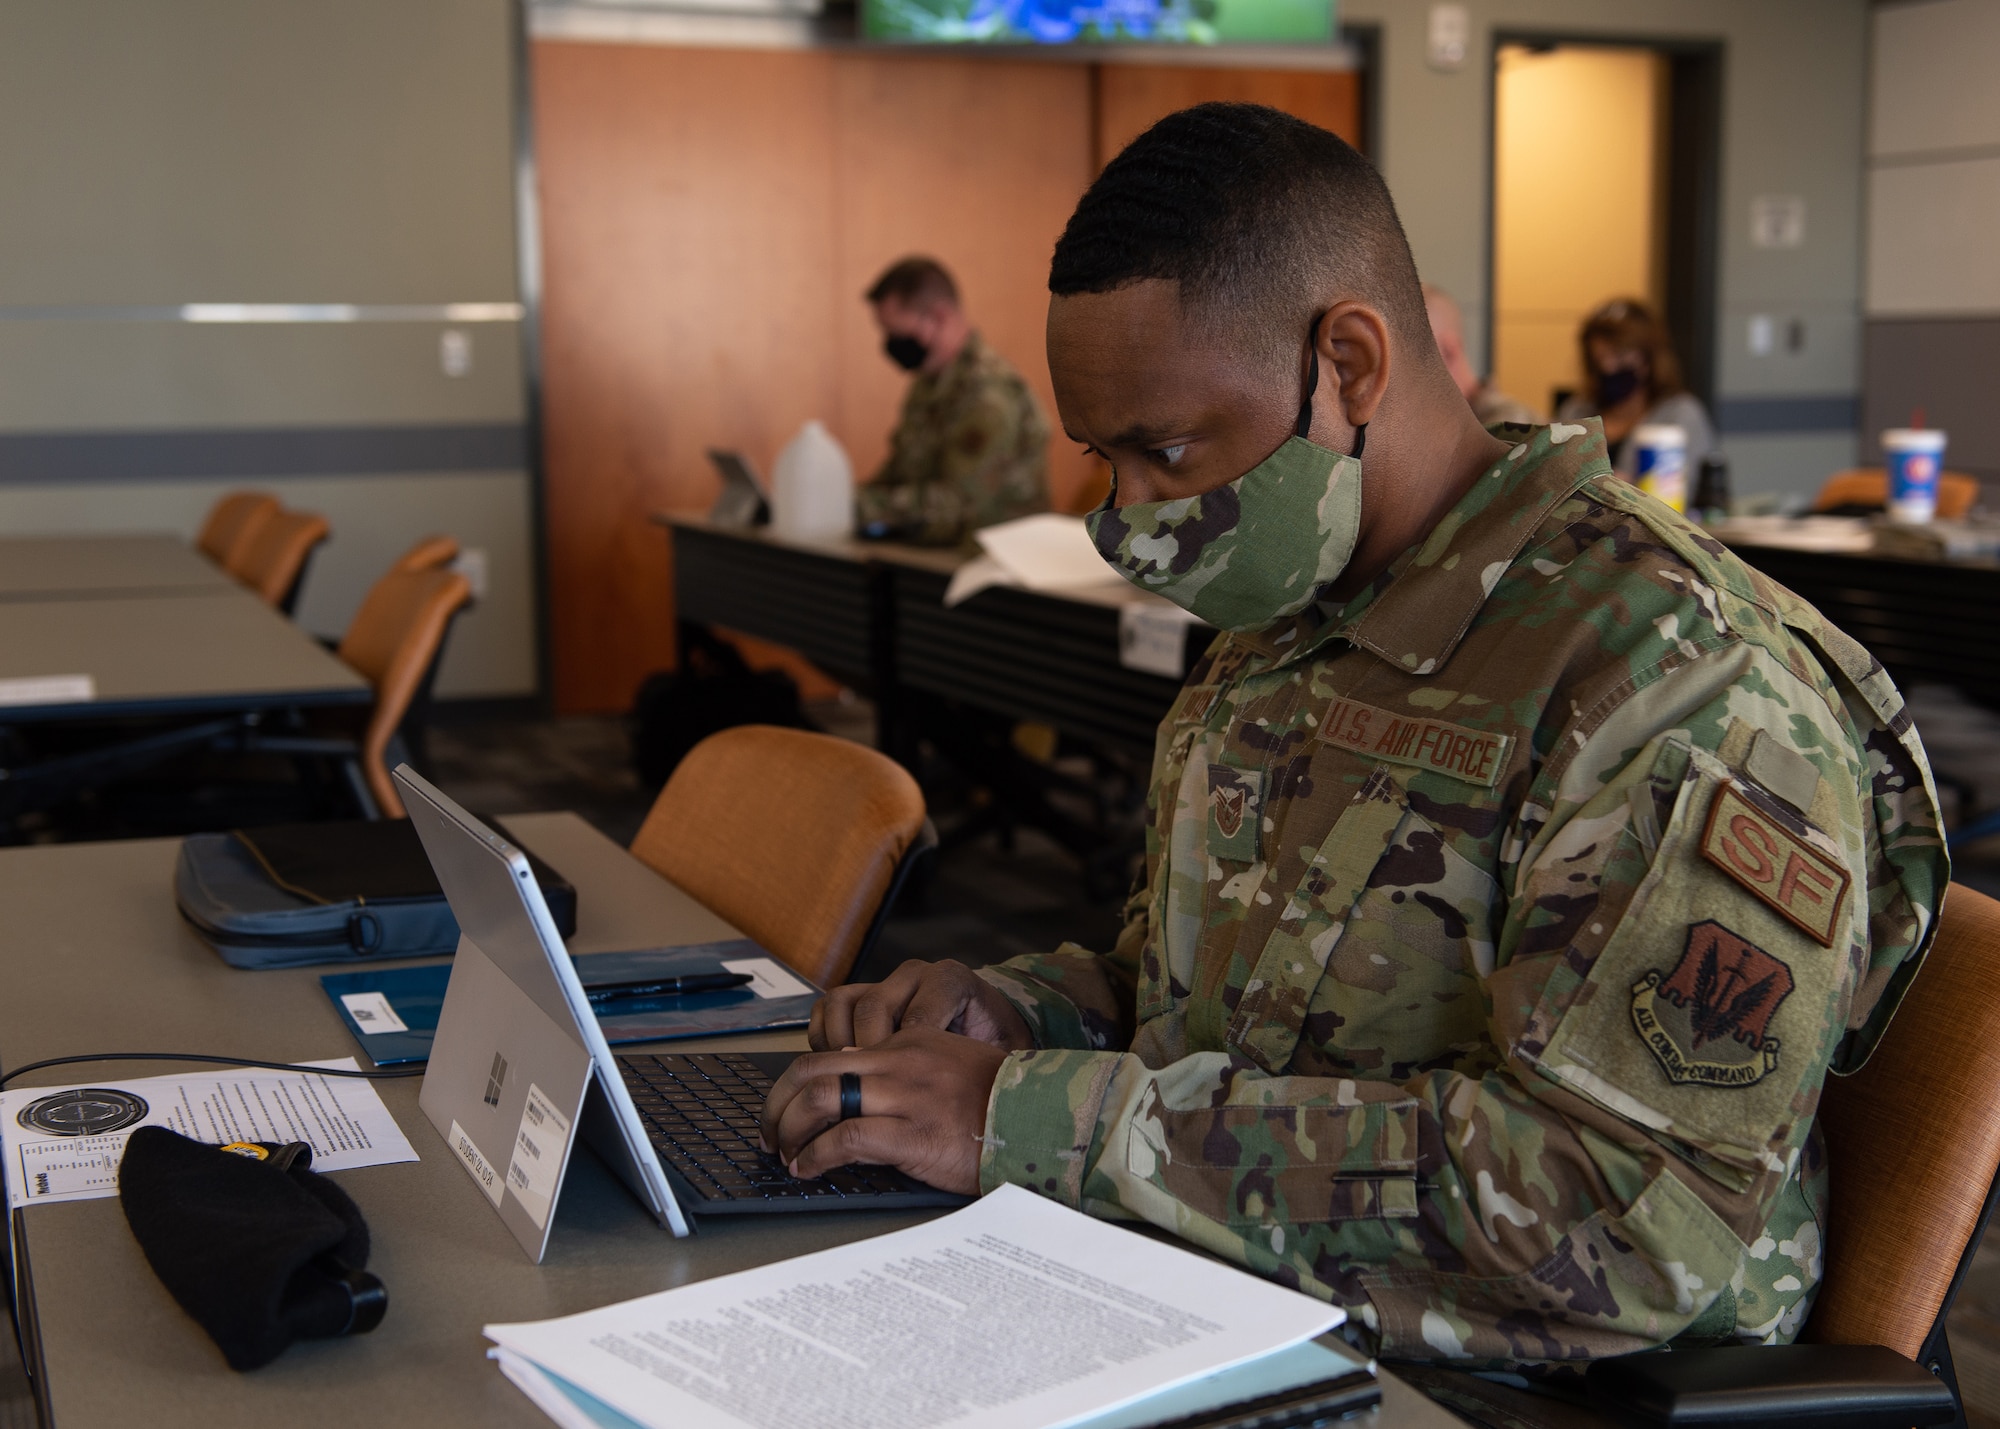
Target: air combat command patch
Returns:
[[1753, 846], [1708, 1021]]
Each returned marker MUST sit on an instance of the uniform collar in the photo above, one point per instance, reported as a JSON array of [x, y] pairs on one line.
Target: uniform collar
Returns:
[[960, 367], [1414, 614]]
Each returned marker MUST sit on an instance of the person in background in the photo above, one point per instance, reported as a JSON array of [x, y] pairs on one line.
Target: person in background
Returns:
[[1489, 404], [1634, 380], [971, 447]]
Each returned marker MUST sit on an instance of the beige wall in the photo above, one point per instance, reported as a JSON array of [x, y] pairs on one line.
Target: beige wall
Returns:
[[1575, 114], [239, 151], [1934, 162]]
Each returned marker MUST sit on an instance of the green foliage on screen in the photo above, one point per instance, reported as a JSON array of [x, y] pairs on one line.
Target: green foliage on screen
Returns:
[[1017, 22]]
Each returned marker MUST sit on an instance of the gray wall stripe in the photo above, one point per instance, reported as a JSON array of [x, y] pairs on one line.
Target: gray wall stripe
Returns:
[[1755, 416], [28, 457]]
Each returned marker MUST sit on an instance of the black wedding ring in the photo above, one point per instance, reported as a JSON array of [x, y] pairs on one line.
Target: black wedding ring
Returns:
[[850, 1095]]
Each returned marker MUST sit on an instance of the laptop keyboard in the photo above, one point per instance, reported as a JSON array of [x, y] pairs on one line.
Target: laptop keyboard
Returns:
[[700, 1111]]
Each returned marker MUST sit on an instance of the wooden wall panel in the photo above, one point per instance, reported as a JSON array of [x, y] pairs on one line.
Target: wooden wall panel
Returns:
[[710, 220], [690, 286], [978, 163], [1131, 98]]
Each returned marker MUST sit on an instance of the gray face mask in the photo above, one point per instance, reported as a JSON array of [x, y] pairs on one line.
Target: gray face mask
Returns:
[[1248, 554]]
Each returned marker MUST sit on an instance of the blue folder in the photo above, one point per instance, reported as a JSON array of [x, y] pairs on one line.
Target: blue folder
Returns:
[[416, 995]]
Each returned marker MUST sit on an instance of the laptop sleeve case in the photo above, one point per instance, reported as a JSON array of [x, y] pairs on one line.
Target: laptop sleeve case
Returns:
[[295, 894]]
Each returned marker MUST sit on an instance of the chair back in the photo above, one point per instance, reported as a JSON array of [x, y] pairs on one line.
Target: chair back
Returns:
[[1869, 486], [794, 837], [395, 640], [273, 561], [231, 522], [429, 554], [1913, 1144]]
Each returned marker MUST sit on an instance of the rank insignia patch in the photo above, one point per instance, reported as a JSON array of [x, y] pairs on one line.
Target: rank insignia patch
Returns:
[[1708, 1021], [1753, 846], [1235, 812]]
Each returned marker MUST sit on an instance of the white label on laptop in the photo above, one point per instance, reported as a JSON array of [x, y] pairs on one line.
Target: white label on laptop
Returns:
[[482, 1170], [769, 979], [48, 690], [372, 1013], [538, 1156]]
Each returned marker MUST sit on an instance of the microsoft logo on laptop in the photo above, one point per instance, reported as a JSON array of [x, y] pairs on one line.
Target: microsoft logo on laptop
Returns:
[[495, 1079]]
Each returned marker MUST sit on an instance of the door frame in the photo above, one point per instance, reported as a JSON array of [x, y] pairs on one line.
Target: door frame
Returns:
[[1695, 73]]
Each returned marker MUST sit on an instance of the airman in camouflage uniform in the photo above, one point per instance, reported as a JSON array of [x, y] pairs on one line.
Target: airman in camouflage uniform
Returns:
[[1497, 930], [971, 449]]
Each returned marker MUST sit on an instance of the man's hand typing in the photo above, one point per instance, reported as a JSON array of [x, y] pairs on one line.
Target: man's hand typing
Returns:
[[946, 996], [923, 1107]]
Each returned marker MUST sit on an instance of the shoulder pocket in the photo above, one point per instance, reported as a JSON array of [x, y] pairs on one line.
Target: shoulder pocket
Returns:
[[1710, 1013]]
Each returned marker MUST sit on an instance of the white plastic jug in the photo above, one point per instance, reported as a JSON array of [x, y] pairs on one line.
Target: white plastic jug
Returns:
[[812, 486]]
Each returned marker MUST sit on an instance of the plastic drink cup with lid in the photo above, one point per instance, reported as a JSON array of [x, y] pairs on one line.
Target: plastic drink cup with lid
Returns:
[[1661, 468], [1915, 458]]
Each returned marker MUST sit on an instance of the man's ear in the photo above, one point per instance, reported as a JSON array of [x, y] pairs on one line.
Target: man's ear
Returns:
[[1353, 342]]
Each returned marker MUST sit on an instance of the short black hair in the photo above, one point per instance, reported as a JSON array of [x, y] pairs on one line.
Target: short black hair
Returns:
[[1259, 216], [915, 282]]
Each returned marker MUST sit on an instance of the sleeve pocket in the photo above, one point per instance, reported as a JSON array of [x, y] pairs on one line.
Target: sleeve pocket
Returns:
[[1262, 1165]]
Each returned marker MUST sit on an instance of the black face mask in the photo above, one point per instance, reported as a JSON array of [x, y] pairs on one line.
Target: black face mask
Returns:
[[1615, 387], [906, 352]]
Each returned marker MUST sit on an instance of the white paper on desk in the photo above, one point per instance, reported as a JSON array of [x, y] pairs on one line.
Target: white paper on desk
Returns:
[[1045, 552], [344, 1120], [1014, 1313], [1152, 636], [48, 689]]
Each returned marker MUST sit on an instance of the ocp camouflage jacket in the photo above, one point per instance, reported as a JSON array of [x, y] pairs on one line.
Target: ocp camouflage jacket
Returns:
[[970, 449], [1496, 934]]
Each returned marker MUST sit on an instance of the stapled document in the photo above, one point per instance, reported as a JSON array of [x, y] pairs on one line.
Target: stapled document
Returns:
[[1014, 1313]]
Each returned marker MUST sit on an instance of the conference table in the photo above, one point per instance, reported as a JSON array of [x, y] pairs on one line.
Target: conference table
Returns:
[[119, 652], [95, 959], [1927, 618], [872, 614], [41, 568]]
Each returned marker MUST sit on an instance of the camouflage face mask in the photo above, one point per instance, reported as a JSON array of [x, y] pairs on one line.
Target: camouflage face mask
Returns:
[[1248, 554]]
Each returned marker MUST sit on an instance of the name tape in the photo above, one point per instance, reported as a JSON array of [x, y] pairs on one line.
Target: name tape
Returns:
[[1805, 886], [1476, 756]]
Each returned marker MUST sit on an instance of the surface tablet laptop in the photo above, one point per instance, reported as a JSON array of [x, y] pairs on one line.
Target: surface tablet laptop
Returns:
[[519, 1066], [742, 502]]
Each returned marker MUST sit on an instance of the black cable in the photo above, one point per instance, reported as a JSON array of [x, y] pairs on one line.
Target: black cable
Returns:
[[378, 1075]]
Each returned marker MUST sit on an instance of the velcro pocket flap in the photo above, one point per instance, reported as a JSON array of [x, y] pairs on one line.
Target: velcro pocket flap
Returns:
[[1280, 990]]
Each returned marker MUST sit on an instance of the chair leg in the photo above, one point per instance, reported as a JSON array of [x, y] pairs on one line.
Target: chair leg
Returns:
[[1938, 1362], [357, 786]]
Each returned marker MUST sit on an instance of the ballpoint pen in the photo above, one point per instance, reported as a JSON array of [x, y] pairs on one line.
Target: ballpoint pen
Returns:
[[603, 992]]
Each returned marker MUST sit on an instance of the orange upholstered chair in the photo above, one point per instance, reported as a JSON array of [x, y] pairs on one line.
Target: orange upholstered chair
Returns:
[[1914, 1142], [429, 554], [395, 640], [273, 560], [232, 521], [797, 838], [1869, 486]]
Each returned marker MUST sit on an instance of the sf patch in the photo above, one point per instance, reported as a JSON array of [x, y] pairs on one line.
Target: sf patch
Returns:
[[1235, 812], [1708, 1021], [1753, 846]]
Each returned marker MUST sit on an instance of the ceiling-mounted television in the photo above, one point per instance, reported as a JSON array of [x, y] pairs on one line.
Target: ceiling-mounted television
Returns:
[[1099, 22]]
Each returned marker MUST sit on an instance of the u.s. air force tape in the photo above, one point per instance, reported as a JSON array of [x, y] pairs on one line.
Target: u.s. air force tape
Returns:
[[1476, 756]]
